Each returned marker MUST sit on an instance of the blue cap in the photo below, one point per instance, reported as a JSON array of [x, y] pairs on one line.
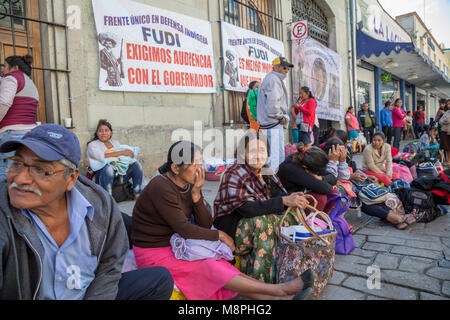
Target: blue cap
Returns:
[[50, 142]]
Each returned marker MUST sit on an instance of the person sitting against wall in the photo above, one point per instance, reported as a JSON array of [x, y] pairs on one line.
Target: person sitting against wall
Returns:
[[19, 100], [249, 206], [113, 163], [377, 160], [427, 139], [173, 203], [305, 171]]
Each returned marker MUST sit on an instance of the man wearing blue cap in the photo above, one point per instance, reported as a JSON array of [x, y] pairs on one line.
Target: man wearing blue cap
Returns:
[[273, 109], [62, 236]]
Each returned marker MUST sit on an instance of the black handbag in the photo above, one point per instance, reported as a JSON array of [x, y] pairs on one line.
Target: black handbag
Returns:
[[122, 192], [420, 203]]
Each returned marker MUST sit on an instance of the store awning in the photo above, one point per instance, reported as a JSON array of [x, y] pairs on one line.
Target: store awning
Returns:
[[383, 42], [368, 46], [407, 62]]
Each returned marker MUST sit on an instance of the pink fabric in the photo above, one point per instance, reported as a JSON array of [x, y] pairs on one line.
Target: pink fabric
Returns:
[[354, 124], [198, 280], [397, 117], [23, 109], [383, 178], [402, 171]]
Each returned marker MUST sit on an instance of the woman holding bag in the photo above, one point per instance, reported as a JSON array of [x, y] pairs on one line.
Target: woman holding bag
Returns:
[[173, 203], [304, 115], [249, 204]]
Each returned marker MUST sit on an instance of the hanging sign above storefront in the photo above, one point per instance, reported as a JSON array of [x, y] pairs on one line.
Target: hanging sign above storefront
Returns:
[[375, 22], [247, 56], [147, 49], [318, 68]]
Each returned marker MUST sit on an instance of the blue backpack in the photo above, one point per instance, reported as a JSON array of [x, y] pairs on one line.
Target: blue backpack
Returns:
[[373, 191], [399, 184], [426, 169]]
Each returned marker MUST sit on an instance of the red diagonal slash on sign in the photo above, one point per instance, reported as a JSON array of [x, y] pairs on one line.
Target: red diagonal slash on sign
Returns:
[[299, 30]]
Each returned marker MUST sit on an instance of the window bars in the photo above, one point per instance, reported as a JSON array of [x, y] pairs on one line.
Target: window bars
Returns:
[[16, 17]]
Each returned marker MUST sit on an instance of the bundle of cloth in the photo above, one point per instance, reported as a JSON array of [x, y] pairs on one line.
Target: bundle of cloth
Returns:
[[120, 164]]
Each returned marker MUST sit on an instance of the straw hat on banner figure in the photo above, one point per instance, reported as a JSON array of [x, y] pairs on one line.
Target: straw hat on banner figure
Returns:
[[108, 61]]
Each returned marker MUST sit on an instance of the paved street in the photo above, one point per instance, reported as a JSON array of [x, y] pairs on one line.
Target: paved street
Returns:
[[414, 263]]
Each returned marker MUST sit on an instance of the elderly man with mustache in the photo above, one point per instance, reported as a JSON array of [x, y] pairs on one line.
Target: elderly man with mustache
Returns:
[[62, 236]]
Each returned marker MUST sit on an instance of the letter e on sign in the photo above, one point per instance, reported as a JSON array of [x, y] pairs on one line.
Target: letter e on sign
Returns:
[[300, 29]]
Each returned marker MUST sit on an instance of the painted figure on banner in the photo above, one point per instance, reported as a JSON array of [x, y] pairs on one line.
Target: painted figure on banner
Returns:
[[108, 61], [319, 79], [231, 70], [333, 93]]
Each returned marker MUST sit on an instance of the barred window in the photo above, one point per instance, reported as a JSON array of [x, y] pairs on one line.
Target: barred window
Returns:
[[15, 8], [317, 20], [260, 16]]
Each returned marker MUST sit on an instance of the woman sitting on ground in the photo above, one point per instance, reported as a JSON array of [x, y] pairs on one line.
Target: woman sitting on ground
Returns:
[[428, 139], [248, 207], [112, 163], [305, 171], [377, 160], [167, 206]]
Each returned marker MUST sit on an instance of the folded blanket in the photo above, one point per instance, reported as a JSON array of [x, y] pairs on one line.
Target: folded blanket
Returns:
[[120, 164]]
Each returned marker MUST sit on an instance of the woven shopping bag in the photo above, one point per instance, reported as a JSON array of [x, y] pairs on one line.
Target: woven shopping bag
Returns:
[[316, 252]]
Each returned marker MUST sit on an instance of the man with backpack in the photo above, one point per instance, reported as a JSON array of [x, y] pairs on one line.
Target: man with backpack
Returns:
[[419, 120]]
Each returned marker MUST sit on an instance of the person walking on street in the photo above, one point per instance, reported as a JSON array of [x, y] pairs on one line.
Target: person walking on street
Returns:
[[367, 121], [386, 122], [398, 118], [273, 109], [419, 121]]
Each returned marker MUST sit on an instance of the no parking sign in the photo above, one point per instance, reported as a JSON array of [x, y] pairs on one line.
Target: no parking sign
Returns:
[[300, 30]]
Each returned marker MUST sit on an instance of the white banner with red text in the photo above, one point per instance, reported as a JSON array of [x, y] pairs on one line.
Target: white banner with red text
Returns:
[[247, 56], [147, 49]]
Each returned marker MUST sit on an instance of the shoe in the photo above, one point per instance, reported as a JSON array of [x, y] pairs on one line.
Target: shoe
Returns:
[[306, 294]]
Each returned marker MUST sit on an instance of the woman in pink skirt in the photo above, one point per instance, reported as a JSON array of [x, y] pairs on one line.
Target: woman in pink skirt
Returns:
[[168, 205]]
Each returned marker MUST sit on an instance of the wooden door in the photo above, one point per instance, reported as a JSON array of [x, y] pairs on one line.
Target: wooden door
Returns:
[[23, 37]]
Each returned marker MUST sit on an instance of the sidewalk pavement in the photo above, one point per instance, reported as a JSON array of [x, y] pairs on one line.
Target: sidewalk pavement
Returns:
[[413, 264]]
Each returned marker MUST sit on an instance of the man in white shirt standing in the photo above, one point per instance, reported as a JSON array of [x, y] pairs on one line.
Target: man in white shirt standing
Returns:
[[273, 110]]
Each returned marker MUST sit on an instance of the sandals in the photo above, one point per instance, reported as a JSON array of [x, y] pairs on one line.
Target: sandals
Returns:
[[405, 221]]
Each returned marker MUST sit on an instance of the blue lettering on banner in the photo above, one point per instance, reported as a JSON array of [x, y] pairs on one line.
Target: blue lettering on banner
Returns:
[[258, 53], [161, 37]]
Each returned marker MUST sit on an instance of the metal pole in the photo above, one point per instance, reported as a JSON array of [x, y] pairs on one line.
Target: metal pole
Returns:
[[56, 63], [67, 63], [355, 83], [350, 54]]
